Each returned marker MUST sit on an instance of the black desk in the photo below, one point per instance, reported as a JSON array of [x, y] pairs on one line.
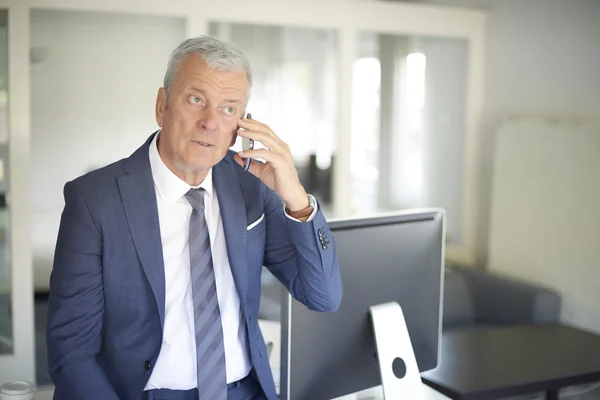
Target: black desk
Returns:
[[486, 364]]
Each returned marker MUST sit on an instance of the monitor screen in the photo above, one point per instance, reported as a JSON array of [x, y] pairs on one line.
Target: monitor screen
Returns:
[[388, 258]]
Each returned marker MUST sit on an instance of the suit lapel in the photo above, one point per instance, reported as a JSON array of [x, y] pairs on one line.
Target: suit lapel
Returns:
[[139, 201], [233, 215]]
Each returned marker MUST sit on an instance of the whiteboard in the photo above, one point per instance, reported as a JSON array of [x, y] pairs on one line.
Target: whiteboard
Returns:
[[545, 209]]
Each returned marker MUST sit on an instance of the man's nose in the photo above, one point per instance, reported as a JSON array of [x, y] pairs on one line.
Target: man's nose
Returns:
[[209, 120]]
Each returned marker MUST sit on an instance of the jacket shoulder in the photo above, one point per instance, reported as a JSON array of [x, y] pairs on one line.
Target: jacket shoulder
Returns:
[[98, 188], [99, 177]]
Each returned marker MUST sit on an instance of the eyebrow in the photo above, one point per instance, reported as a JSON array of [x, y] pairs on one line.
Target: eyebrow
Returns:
[[232, 101]]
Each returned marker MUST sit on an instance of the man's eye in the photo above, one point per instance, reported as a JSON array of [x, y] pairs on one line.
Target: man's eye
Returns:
[[195, 99], [230, 110]]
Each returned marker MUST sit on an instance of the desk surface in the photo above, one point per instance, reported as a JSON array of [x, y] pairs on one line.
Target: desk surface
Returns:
[[499, 362]]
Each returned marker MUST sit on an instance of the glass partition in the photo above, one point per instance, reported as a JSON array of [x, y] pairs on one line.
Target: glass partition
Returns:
[[82, 87], [94, 80], [295, 93], [409, 125]]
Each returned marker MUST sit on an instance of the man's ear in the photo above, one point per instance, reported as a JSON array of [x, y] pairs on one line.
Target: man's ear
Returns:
[[161, 105]]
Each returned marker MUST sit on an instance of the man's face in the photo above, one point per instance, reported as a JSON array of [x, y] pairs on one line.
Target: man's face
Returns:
[[199, 119]]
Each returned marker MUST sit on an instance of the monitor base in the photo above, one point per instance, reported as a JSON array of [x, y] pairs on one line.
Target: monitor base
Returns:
[[398, 368]]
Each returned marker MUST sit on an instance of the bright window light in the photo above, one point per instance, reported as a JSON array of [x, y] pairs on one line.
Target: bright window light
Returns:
[[411, 150], [415, 88]]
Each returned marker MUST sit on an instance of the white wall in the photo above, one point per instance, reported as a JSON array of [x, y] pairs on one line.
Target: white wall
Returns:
[[93, 97], [543, 57], [540, 189]]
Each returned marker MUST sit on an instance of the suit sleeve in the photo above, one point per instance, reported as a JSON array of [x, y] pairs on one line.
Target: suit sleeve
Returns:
[[76, 305], [302, 255]]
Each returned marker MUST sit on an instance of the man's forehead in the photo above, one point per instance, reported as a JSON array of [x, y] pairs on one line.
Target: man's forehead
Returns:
[[225, 90], [202, 76], [195, 64]]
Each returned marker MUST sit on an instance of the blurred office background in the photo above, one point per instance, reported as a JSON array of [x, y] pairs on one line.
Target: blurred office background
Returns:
[[487, 108]]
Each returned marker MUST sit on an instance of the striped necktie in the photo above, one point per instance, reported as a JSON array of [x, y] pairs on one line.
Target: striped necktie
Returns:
[[210, 351]]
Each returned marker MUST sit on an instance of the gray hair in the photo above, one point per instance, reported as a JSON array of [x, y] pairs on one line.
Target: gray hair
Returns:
[[216, 53]]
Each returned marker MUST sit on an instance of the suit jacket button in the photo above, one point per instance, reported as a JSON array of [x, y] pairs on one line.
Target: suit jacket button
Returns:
[[147, 365]]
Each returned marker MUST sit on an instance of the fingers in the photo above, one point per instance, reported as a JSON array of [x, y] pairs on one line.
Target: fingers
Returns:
[[252, 124], [272, 144], [255, 168], [261, 137], [269, 156], [258, 131]]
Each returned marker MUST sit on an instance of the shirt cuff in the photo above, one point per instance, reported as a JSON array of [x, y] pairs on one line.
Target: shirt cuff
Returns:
[[313, 202]]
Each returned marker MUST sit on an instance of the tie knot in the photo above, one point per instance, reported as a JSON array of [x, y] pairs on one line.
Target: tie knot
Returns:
[[196, 198]]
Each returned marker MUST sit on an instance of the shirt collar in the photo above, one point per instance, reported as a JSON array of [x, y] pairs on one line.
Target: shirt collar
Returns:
[[169, 186]]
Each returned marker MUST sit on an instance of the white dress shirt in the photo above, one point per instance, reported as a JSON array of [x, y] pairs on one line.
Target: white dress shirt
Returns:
[[175, 367]]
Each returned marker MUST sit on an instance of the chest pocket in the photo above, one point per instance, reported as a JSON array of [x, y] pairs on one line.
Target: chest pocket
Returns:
[[255, 228]]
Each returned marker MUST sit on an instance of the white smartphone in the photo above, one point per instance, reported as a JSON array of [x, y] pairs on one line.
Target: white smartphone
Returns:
[[247, 144]]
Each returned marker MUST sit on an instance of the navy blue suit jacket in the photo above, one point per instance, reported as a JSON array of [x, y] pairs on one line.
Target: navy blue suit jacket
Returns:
[[107, 287]]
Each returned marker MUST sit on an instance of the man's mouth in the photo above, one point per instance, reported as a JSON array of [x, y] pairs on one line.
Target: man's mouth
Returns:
[[202, 143]]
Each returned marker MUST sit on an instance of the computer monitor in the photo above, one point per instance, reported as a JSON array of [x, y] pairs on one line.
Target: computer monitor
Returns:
[[391, 258]]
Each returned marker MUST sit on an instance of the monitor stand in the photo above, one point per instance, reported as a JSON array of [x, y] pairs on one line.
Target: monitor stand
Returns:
[[398, 369]]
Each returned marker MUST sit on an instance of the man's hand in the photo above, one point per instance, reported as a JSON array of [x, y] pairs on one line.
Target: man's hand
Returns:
[[279, 172]]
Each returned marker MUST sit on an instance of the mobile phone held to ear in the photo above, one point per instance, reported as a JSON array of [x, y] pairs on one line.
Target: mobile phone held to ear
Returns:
[[247, 144]]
